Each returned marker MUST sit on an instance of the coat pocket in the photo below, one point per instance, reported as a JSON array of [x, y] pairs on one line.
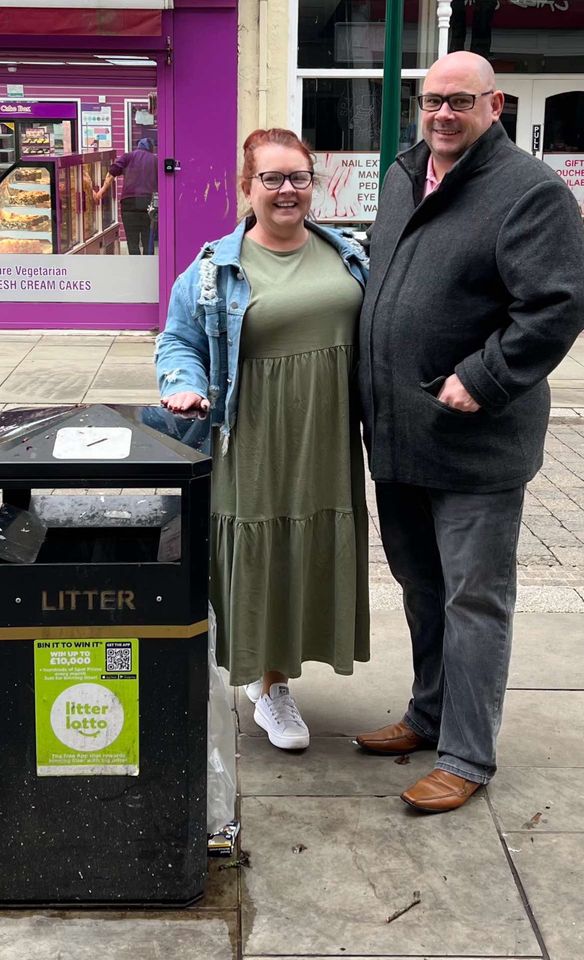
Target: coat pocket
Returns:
[[431, 390]]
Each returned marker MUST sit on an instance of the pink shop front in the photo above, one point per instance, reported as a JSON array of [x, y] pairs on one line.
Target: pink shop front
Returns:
[[150, 94]]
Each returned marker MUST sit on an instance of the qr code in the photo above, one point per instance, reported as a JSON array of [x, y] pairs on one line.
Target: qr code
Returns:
[[118, 658]]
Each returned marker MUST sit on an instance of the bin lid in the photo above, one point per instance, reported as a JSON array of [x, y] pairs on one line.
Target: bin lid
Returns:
[[100, 442]]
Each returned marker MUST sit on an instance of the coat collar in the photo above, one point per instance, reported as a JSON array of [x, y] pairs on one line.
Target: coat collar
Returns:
[[415, 161]]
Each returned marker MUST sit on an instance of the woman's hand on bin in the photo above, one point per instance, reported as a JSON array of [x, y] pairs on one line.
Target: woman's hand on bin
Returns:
[[187, 402]]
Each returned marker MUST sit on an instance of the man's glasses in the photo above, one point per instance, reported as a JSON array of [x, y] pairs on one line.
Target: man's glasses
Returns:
[[458, 102], [273, 179]]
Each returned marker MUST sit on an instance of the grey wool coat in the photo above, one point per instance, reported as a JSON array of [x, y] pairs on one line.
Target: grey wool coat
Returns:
[[483, 278]]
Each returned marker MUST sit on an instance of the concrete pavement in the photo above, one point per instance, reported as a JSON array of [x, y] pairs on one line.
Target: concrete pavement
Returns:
[[336, 860]]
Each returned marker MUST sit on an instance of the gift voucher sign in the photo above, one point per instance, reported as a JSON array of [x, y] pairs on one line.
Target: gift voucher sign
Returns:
[[86, 704]]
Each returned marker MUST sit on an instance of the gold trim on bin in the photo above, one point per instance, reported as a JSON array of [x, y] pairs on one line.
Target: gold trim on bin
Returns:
[[111, 631]]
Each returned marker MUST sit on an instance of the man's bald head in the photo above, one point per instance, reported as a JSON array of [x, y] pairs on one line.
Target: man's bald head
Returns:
[[450, 133], [463, 64]]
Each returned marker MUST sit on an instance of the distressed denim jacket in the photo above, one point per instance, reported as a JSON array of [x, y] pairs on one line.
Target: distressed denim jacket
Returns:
[[199, 348]]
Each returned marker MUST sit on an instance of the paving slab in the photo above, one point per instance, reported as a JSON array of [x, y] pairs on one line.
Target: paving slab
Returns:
[[547, 651], [47, 384], [569, 369], [33, 406], [537, 800], [542, 729], [363, 861], [131, 351], [550, 868], [5, 371], [331, 767], [49, 937], [13, 351], [16, 336], [116, 394], [76, 340], [567, 396], [384, 592], [125, 376], [88, 354]]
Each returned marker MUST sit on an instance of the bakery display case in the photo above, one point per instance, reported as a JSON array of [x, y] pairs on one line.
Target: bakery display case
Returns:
[[47, 206], [7, 145]]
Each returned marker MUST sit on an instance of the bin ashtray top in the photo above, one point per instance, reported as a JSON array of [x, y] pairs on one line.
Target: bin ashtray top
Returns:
[[92, 443], [100, 441]]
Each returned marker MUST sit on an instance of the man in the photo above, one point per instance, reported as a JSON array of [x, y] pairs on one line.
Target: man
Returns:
[[475, 295], [140, 172]]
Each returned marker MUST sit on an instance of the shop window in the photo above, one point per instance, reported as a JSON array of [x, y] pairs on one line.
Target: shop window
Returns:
[[342, 121], [509, 116], [563, 140], [563, 130], [526, 37], [351, 33], [342, 114]]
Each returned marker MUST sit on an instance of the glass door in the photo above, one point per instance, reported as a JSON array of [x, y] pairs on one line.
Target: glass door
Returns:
[[558, 125], [516, 117]]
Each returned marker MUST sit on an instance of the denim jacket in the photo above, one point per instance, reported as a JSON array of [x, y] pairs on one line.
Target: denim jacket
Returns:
[[199, 348]]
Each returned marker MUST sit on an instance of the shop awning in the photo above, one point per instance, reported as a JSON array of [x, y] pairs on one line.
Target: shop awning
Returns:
[[99, 21]]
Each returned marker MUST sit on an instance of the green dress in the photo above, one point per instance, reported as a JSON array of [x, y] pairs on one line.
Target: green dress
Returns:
[[289, 577]]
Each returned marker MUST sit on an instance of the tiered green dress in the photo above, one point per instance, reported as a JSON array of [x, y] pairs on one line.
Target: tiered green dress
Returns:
[[289, 521]]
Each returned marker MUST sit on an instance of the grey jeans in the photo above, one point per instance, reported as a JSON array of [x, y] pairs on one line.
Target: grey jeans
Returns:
[[454, 554]]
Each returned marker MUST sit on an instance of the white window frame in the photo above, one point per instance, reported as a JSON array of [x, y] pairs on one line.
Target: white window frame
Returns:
[[297, 75]]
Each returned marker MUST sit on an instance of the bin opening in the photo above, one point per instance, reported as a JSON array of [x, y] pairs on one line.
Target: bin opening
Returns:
[[83, 526]]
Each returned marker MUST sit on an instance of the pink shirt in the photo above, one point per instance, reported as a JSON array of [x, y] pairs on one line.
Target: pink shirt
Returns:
[[431, 182]]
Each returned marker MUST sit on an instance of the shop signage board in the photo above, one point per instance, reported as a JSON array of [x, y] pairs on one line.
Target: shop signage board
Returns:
[[63, 278], [33, 109], [346, 187], [86, 707], [570, 167]]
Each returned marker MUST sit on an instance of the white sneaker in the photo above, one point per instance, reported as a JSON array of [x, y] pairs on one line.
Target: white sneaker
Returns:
[[279, 716], [253, 690]]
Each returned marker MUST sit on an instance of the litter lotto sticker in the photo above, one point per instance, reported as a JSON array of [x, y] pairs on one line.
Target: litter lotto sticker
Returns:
[[86, 698]]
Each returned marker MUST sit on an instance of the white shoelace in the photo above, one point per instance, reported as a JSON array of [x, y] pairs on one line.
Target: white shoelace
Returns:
[[284, 710]]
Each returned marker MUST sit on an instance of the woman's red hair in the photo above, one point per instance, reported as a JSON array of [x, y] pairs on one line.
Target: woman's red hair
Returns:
[[276, 135]]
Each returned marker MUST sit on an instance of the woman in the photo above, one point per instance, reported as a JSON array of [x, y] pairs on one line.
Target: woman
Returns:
[[261, 332]]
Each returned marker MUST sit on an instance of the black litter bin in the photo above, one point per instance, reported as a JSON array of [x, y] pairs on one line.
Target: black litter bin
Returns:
[[103, 658]]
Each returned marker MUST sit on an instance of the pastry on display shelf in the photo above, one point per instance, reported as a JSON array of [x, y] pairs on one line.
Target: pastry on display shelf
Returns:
[[31, 175], [25, 246], [28, 198], [24, 221]]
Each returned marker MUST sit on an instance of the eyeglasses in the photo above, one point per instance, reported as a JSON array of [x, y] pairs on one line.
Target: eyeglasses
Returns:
[[273, 179], [458, 102]]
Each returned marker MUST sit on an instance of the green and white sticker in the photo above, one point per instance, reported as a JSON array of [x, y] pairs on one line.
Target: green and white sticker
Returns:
[[86, 699]]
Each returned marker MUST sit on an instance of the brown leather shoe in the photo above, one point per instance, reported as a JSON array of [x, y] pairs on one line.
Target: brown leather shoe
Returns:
[[439, 792], [395, 739]]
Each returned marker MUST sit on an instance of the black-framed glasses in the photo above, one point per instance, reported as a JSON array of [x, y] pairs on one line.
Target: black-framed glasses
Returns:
[[273, 179], [458, 102]]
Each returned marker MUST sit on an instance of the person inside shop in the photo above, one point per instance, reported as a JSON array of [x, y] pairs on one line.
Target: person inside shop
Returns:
[[476, 293], [261, 338], [139, 169]]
